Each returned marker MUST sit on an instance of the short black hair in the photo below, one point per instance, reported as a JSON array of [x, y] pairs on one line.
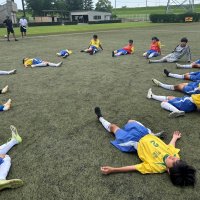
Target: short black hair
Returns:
[[130, 41], [184, 39], [181, 174], [95, 36], [155, 38]]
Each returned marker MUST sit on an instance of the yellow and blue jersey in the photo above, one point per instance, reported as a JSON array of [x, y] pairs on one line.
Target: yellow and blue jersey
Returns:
[[95, 43]]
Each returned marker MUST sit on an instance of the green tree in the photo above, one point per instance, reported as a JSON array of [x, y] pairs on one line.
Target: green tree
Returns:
[[74, 4], [103, 5], [88, 5]]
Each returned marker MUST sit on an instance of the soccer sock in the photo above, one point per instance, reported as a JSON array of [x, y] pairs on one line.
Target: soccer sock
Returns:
[[159, 98], [176, 76], [185, 66], [39, 65], [168, 106], [4, 72], [157, 61], [7, 146], [168, 87], [118, 54], [105, 123], [151, 55]]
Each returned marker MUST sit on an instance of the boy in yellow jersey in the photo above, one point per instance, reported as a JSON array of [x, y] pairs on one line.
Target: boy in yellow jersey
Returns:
[[37, 62], [156, 156], [178, 106], [94, 46]]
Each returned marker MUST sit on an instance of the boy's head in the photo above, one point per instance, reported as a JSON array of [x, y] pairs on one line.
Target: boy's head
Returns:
[[95, 37], [181, 174], [184, 41], [155, 39], [24, 60], [130, 42]]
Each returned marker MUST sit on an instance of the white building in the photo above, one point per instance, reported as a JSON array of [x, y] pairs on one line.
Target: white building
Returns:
[[89, 16], [8, 8]]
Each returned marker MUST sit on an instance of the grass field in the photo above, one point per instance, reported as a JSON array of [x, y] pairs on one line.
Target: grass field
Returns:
[[63, 143]]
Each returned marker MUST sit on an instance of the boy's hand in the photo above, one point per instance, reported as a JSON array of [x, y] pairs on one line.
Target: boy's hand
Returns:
[[106, 170], [176, 135], [2, 156]]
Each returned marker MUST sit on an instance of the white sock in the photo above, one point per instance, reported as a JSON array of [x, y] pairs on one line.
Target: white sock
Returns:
[[176, 76], [5, 167], [151, 55], [39, 65], [7, 146], [159, 98], [168, 106], [52, 64], [168, 87], [118, 54], [105, 123], [186, 66], [4, 72]]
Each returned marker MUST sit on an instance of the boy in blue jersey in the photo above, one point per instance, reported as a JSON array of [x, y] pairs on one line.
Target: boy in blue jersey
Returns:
[[195, 64], [37, 62], [187, 88], [5, 161], [64, 53], [192, 76], [178, 106]]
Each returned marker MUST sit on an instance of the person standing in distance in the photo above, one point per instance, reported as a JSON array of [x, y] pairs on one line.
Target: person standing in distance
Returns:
[[23, 26], [9, 25]]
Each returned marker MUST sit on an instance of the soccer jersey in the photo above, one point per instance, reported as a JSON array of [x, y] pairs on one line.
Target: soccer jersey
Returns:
[[196, 100], [32, 61], [153, 152], [156, 46], [95, 43], [129, 49]]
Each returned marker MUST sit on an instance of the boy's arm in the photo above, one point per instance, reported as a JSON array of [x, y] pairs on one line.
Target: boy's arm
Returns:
[[101, 47], [189, 54], [176, 136], [110, 170]]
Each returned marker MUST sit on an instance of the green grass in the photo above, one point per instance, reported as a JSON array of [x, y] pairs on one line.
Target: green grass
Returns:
[[63, 143], [41, 30], [125, 12]]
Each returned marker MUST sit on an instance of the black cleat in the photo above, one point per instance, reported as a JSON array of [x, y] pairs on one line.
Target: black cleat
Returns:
[[82, 51], [113, 54], [16, 40], [166, 72], [97, 111]]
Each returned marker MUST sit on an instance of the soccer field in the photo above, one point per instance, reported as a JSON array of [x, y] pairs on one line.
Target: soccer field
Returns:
[[53, 108]]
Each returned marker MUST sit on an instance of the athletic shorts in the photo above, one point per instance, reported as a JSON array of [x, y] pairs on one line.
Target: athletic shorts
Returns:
[[1, 108], [183, 104], [37, 61], [195, 76], [197, 61], [94, 48], [10, 30], [132, 131], [23, 29], [63, 53], [154, 52], [192, 88], [122, 51], [170, 58]]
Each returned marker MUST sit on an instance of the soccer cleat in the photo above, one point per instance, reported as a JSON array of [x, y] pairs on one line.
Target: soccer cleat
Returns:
[[166, 72], [97, 111], [58, 54], [176, 114], [15, 134], [13, 71], [91, 52], [149, 94], [4, 90], [13, 183], [149, 61], [156, 82], [7, 105], [178, 65], [16, 39], [82, 51], [113, 54]]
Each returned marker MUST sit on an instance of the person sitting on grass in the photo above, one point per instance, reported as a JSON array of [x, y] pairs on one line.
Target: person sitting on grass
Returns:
[[192, 76], [6, 106], [155, 49], [94, 46], [128, 49], [156, 156], [181, 50], [8, 72], [37, 62], [195, 64], [5, 162], [187, 88], [178, 106], [64, 53]]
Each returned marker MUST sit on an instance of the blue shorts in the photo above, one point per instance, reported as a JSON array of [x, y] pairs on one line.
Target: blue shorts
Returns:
[[94, 48], [192, 88], [154, 52], [63, 53], [194, 76], [37, 61], [1, 108], [197, 61], [122, 51], [132, 131], [183, 104]]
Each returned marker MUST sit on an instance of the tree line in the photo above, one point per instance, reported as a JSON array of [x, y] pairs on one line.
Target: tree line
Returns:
[[37, 6]]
